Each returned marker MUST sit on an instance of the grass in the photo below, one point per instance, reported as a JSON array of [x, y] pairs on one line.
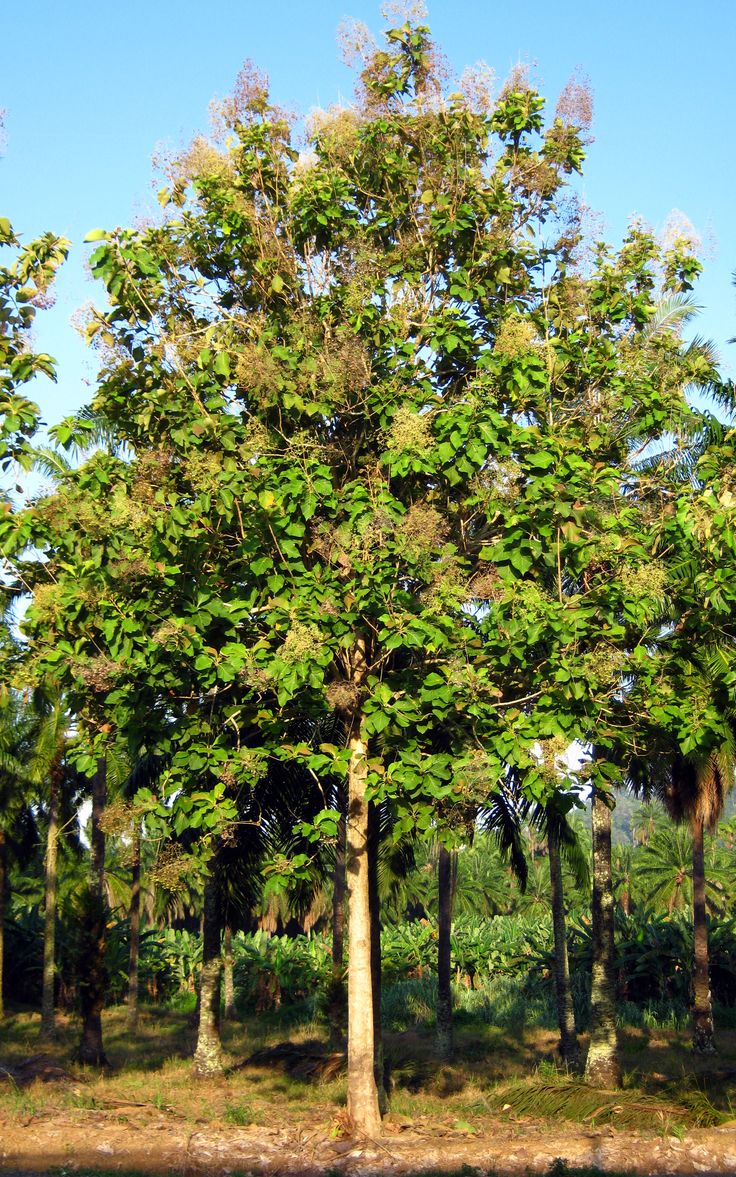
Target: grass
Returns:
[[505, 1065]]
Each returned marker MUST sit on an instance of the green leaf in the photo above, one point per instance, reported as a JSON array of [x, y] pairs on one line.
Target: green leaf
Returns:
[[222, 364]]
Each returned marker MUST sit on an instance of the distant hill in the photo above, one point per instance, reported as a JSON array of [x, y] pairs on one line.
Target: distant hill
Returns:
[[626, 812]]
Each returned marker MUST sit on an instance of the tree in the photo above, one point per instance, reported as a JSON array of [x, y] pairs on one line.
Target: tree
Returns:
[[24, 284], [563, 844], [333, 419], [664, 868], [93, 929], [47, 768], [375, 436], [689, 718], [697, 795], [602, 1066], [17, 826]]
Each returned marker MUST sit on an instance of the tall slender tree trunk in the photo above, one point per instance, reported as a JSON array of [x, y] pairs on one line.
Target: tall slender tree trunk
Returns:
[[94, 974], [565, 1011], [227, 973], [703, 1034], [3, 883], [48, 1022], [363, 1107], [374, 840], [336, 1012], [208, 1054], [602, 1067], [445, 896], [135, 929]]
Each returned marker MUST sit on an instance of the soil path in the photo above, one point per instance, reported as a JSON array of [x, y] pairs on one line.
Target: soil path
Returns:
[[156, 1142]]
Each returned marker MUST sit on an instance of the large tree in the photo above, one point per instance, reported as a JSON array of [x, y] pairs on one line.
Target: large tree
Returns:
[[376, 430]]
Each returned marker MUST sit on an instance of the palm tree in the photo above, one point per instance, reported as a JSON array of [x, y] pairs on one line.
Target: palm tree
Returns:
[[622, 864], [693, 786], [664, 868], [50, 775], [645, 820], [563, 842], [696, 795], [17, 825], [144, 773]]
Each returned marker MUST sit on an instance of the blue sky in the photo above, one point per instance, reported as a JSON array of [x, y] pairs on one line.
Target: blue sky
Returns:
[[92, 90]]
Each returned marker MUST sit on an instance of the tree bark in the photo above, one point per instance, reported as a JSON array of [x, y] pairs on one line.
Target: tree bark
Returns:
[[336, 1010], [93, 980], [3, 883], [445, 888], [703, 1033], [227, 973], [374, 839], [208, 1054], [569, 1048], [602, 1067], [135, 930], [48, 1021], [363, 1107]]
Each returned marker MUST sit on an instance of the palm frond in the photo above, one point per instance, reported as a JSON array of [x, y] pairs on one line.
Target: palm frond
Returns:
[[671, 313], [502, 817], [574, 853], [50, 462]]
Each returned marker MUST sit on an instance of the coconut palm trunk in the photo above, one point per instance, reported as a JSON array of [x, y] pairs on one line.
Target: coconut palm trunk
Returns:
[[336, 1012], [363, 1107], [569, 1048], [228, 980], [445, 888], [208, 1053], [93, 978], [602, 1067], [135, 929], [703, 1035], [48, 1021]]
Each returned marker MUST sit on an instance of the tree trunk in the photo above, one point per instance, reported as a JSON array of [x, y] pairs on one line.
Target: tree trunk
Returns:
[[3, 882], [227, 973], [93, 979], [208, 1055], [565, 1011], [703, 1035], [374, 839], [336, 1000], [363, 1106], [48, 1022], [135, 930], [602, 1067], [445, 888]]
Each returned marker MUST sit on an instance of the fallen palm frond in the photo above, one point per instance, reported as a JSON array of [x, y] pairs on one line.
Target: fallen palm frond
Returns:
[[572, 1099], [41, 1067], [301, 1060]]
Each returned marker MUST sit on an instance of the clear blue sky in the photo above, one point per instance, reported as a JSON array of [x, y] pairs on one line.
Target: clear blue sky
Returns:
[[91, 90]]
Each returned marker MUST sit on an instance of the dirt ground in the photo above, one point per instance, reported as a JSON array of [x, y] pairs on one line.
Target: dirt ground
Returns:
[[125, 1137]]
